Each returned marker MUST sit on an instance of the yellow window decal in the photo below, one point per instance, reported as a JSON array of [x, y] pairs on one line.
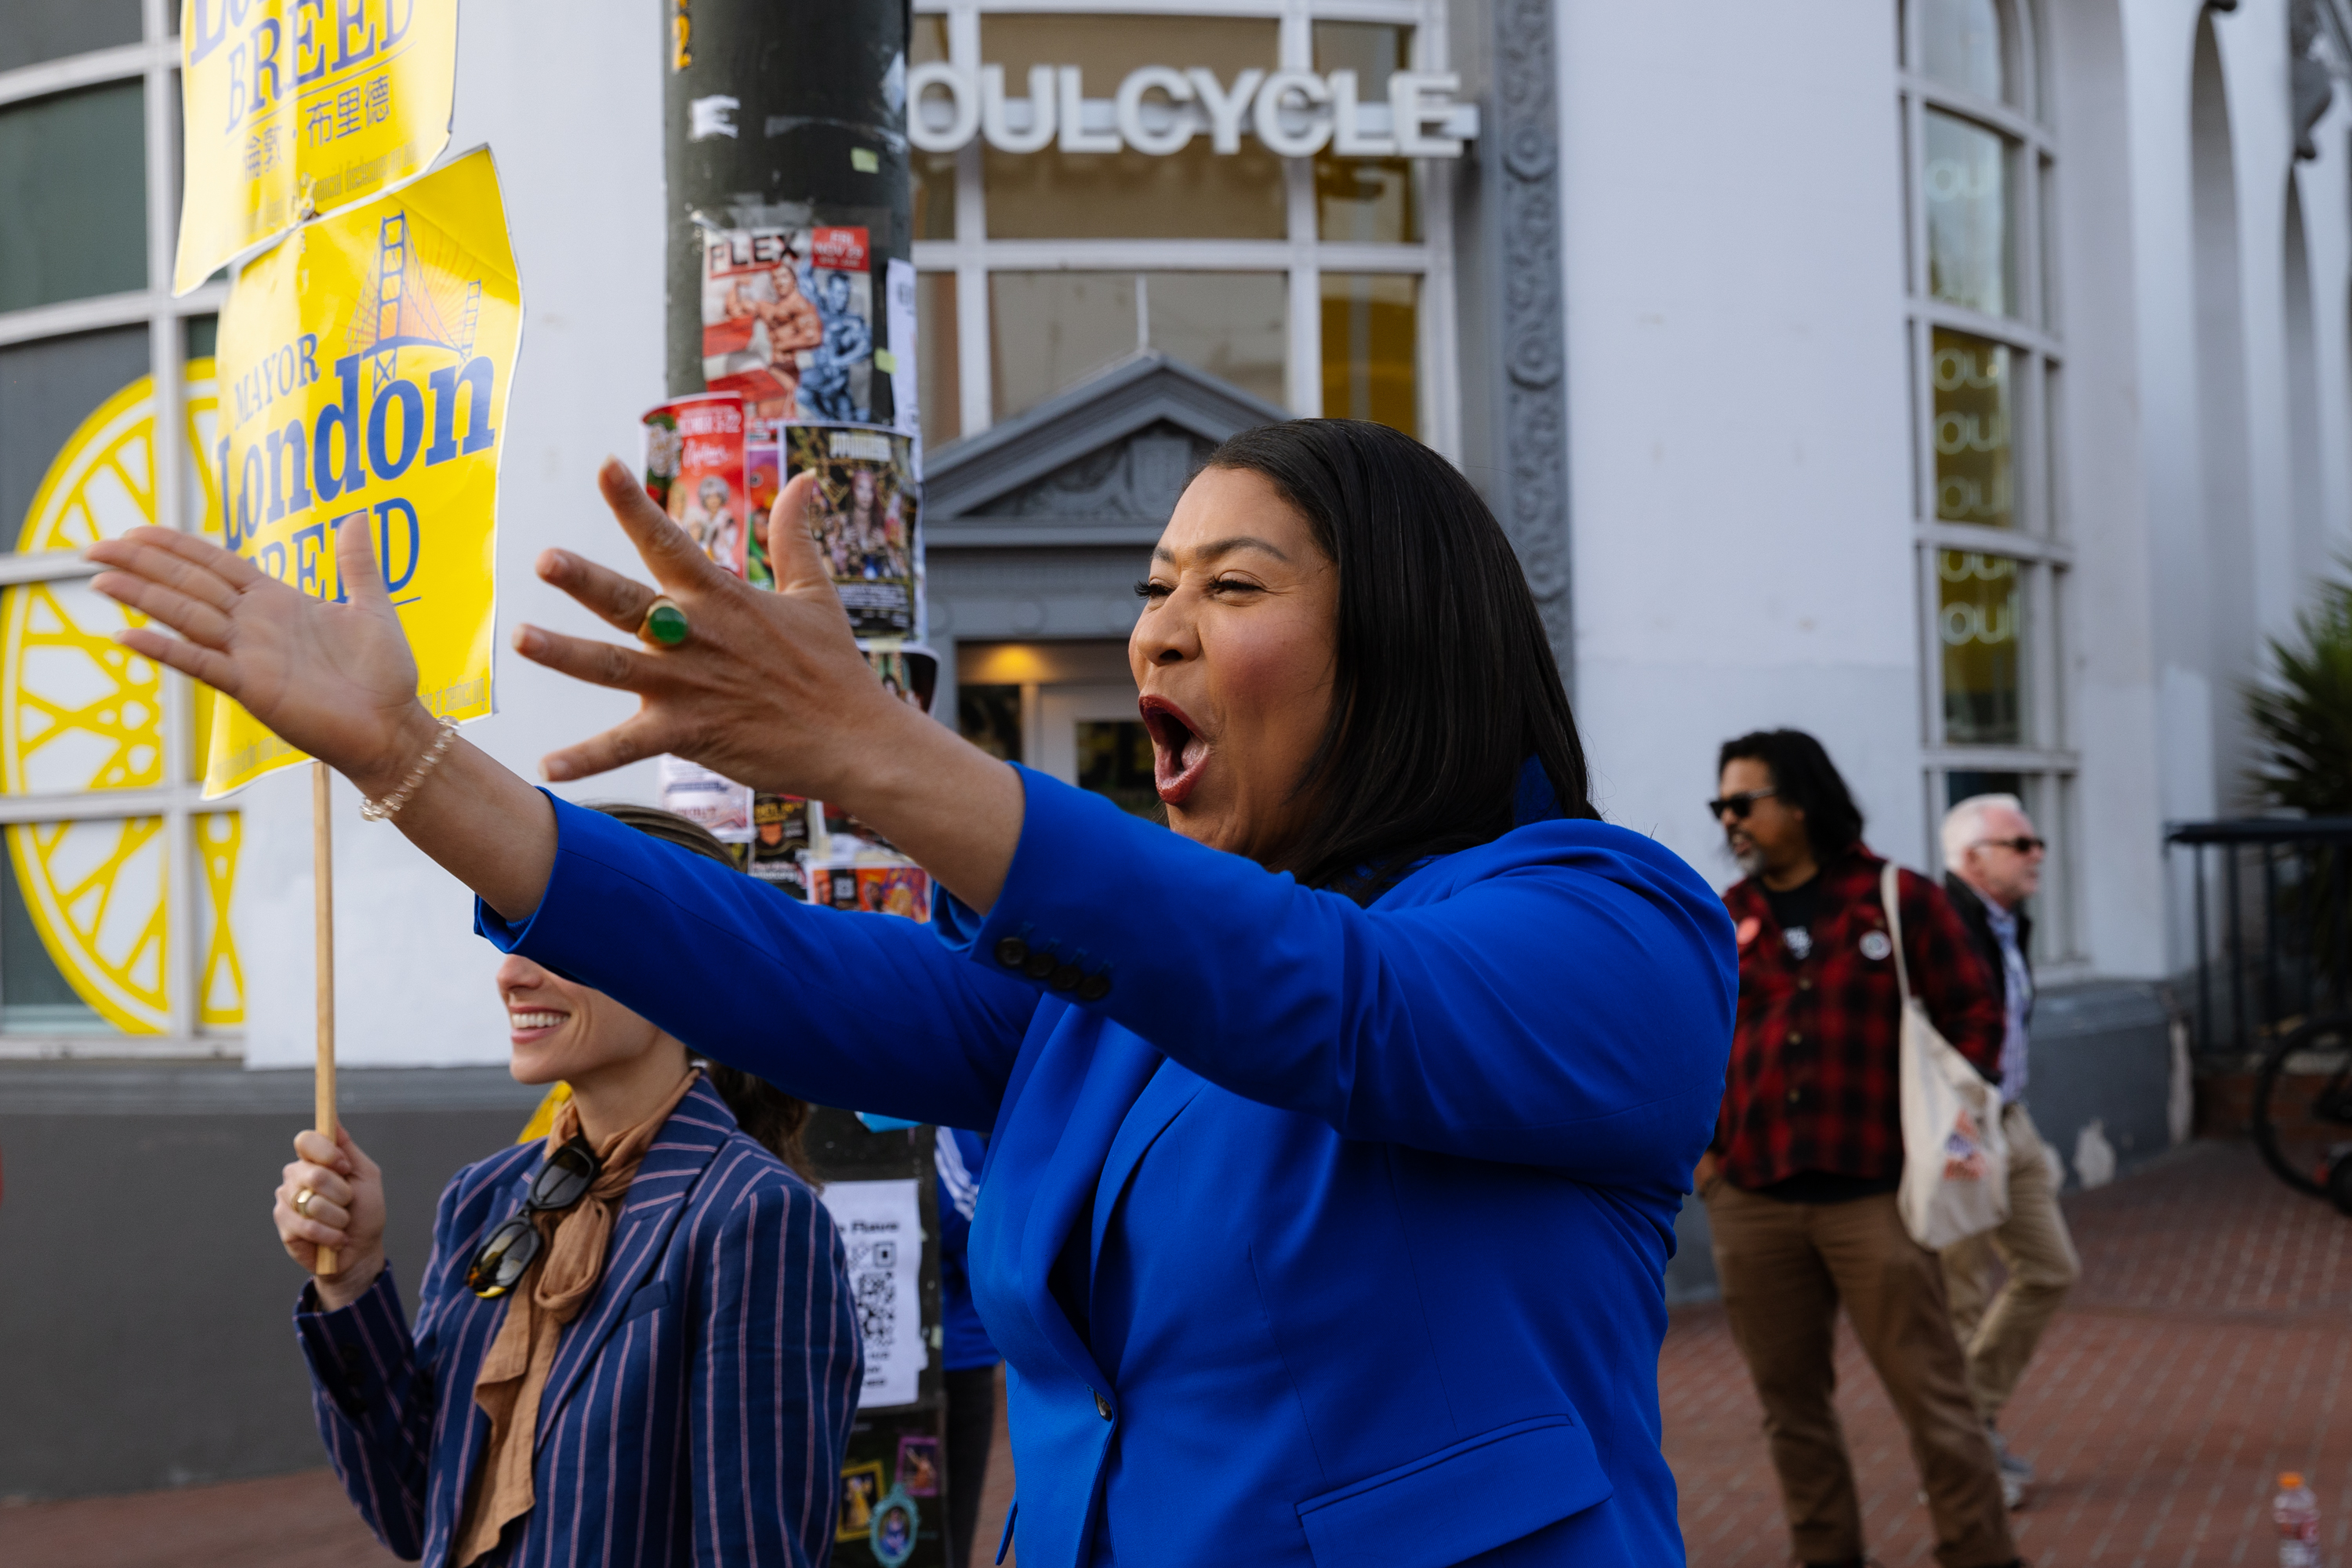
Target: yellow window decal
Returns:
[[79, 712]]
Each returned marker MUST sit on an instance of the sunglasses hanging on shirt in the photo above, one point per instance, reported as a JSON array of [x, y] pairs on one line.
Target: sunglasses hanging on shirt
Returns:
[[514, 1245]]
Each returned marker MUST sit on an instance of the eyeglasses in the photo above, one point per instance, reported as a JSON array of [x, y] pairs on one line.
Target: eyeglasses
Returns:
[[511, 1249], [2024, 844], [1739, 804]]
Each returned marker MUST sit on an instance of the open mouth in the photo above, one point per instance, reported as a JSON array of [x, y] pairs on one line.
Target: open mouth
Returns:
[[1178, 753], [530, 1023]]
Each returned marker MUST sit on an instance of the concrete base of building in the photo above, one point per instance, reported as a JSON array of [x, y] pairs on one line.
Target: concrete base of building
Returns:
[[144, 1322]]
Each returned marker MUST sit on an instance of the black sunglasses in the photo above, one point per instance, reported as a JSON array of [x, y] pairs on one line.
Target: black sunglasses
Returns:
[[1739, 804], [2024, 843], [511, 1249]]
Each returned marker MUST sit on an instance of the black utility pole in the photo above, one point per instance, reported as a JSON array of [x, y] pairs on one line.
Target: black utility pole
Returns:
[[780, 116], [793, 118]]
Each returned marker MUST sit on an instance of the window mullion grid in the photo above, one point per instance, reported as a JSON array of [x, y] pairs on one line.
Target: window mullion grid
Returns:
[[1994, 116], [1440, 419], [1304, 372], [2020, 335], [167, 454], [974, 395], [1931, 669]]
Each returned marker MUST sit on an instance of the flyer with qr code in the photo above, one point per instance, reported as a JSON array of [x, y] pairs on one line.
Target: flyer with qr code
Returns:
[[293, 111], [882, 1229]]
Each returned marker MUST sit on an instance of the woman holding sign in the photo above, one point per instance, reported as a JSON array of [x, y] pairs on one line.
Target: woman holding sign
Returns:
[[1338, 1134], [658, 1262]]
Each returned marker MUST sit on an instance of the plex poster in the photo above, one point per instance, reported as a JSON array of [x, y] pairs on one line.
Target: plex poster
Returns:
[[363, 367]]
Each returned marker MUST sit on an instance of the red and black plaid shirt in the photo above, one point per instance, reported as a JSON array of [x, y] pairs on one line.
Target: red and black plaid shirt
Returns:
[[1813, 1082]]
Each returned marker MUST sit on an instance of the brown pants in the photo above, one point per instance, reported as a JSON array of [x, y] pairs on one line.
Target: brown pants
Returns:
[[1999, 1333], [1786, 1268]]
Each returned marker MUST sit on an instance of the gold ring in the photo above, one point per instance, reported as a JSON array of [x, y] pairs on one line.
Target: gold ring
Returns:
[[302, 1202], [665, 623]]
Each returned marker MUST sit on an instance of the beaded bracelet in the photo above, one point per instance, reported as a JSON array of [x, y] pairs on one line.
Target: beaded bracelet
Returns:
[[386, 809]]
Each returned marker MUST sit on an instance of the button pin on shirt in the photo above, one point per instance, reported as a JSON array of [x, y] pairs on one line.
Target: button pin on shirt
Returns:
[[1874, 945]]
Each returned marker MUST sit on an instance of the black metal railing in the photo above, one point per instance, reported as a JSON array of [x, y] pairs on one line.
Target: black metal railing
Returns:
[[2280, 890]]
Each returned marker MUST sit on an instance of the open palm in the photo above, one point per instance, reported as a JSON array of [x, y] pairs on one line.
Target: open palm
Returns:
[[333, 679]]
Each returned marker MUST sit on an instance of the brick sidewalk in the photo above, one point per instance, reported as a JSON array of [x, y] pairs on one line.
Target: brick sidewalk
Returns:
[[284, 1522], [2208, 1348]]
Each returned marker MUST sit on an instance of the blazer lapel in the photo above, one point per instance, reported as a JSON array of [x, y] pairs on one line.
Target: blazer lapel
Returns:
[[1117, 1067], [650, 1211], [1171, 1089]]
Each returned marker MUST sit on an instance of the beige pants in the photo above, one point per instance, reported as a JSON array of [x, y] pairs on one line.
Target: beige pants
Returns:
[[2000, 1331], [1786, 1269]]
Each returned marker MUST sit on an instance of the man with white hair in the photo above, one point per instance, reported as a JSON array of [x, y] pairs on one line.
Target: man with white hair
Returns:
[[1992, 863]]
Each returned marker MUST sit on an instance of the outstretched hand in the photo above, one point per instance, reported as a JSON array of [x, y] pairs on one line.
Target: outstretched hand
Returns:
[[769, 689], [336, 680]]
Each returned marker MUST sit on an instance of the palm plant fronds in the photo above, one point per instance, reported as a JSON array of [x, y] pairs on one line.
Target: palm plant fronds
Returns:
[[2303, 715]]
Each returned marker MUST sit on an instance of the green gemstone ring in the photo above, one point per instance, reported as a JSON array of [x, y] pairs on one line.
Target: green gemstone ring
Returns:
[[665, 623]]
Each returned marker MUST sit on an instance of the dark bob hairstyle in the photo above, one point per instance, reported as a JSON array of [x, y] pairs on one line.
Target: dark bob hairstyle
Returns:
[[1445, 684], [1807, 780], [769, 1116]]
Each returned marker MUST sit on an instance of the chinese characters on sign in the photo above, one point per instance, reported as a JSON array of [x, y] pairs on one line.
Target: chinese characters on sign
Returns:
[[301, 106]]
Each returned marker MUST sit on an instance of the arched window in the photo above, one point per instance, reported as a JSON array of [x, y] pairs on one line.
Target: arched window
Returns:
[[1986, 350]]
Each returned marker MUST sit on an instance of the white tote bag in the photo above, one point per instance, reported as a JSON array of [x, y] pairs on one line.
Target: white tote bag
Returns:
[[1955, 1156]]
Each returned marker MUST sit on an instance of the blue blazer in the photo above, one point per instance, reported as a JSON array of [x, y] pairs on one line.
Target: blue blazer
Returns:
[[1310, 1234], [699, 1405]]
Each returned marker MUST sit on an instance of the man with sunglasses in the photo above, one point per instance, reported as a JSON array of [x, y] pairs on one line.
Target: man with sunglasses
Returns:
[[1800, 1181], [1992, 864]]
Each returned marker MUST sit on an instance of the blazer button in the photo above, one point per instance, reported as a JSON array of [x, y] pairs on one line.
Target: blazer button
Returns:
[[1102, 1408], [1094, 988], [1011, 953], [1066, 978], [1039, 966]]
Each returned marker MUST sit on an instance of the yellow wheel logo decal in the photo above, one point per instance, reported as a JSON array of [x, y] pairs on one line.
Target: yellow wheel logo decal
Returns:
[[79, 712]]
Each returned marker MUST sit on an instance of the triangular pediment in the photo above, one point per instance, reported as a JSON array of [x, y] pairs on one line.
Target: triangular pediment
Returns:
[[1100, 463]]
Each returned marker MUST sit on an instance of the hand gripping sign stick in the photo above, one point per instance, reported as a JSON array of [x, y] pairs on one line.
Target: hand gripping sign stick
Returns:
[[322, 878]]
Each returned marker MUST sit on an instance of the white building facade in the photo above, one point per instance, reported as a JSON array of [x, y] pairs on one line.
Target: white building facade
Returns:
[[1965, 381]]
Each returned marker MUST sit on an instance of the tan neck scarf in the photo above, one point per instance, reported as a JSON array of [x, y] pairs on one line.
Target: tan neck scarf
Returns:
[[514, 1371]]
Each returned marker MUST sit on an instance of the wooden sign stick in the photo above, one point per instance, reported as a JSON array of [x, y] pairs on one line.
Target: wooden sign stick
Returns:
[[322, 878]]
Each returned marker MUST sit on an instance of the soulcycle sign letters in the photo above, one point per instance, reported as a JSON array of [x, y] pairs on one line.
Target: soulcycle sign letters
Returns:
[[1159, 109]]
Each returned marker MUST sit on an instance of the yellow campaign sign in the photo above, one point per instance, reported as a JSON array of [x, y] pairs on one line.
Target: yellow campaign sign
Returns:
[[296, 107], [363, 367]]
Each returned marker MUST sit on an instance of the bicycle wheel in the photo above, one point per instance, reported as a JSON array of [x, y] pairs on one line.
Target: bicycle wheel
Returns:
[[2300, 1142]]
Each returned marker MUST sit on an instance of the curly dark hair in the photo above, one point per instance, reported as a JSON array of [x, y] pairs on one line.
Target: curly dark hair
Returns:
[[774, 1120]]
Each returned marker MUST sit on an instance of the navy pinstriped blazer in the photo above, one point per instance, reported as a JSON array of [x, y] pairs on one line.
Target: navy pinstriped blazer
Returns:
[[698, 1407]]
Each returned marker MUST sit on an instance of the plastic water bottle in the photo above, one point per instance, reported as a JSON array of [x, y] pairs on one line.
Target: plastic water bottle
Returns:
[[2296, 1513]]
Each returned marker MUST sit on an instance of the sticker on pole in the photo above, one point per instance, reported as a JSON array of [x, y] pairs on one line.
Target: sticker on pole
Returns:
[[363, 367], [299, 106]]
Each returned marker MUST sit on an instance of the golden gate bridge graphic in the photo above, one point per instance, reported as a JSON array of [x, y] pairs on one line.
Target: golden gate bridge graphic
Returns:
[[408, 310]]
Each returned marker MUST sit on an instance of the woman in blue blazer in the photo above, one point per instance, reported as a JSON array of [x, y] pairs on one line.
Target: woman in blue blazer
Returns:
[[1338, 1135], [695, 1407]]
